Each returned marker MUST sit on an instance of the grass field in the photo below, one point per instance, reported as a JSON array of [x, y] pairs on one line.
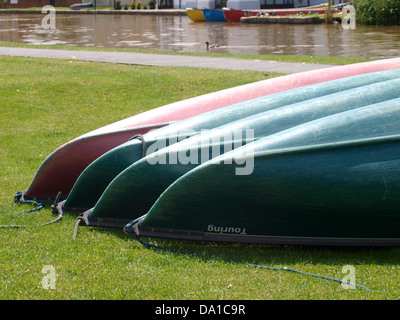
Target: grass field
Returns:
[[45, 103]]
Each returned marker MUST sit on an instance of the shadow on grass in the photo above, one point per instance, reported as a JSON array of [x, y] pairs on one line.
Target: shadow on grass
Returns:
[[271, 254]]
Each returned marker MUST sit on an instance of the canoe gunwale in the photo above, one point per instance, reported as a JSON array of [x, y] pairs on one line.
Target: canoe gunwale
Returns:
[[126, 129], [136, 229], [90, 221], [61, 208], [41, 199]]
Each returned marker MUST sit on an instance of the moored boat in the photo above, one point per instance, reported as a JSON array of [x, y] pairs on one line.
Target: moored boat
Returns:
[[332, 181], [213, 14], [79, 6], [135, 189], [195, 15], [234, 15]]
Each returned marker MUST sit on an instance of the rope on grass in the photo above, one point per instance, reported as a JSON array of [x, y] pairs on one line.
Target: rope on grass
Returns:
[[36, 225], [152, 246], [77, 223], [17, 198]]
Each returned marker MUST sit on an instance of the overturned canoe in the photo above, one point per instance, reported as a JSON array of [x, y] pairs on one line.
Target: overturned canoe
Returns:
[[62, 167], [332, 181], [133, 192]]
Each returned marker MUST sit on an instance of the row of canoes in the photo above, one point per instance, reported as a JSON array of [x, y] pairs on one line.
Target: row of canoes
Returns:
[[234, 15], [306, 158]]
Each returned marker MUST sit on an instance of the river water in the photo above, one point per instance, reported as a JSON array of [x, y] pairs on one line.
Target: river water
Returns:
[[179, 33]]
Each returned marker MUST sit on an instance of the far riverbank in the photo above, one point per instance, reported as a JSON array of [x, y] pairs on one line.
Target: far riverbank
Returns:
[[172, 12]]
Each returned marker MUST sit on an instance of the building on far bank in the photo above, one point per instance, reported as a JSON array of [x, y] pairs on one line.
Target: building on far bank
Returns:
[[234, 4], [37, 3], [67, 3]]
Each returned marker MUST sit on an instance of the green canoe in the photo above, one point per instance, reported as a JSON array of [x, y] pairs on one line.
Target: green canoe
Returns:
[[133, 192], [332, 181]]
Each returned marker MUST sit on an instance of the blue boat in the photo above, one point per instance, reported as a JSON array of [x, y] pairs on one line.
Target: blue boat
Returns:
[[213, 15]]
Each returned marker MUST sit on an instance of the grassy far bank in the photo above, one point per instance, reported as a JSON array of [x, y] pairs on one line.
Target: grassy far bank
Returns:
[[283, 58], [378, 12], [45, 103]]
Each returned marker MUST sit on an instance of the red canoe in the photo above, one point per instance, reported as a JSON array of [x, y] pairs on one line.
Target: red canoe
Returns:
[[61, 168]]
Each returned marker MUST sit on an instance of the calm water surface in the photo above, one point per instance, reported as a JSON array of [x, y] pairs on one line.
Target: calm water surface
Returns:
[[179, 33]]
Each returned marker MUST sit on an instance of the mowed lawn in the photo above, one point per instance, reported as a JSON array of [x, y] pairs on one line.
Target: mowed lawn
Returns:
[[46, 103]]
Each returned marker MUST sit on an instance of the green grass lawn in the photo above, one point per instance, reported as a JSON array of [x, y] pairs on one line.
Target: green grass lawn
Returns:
[[45, 103]]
